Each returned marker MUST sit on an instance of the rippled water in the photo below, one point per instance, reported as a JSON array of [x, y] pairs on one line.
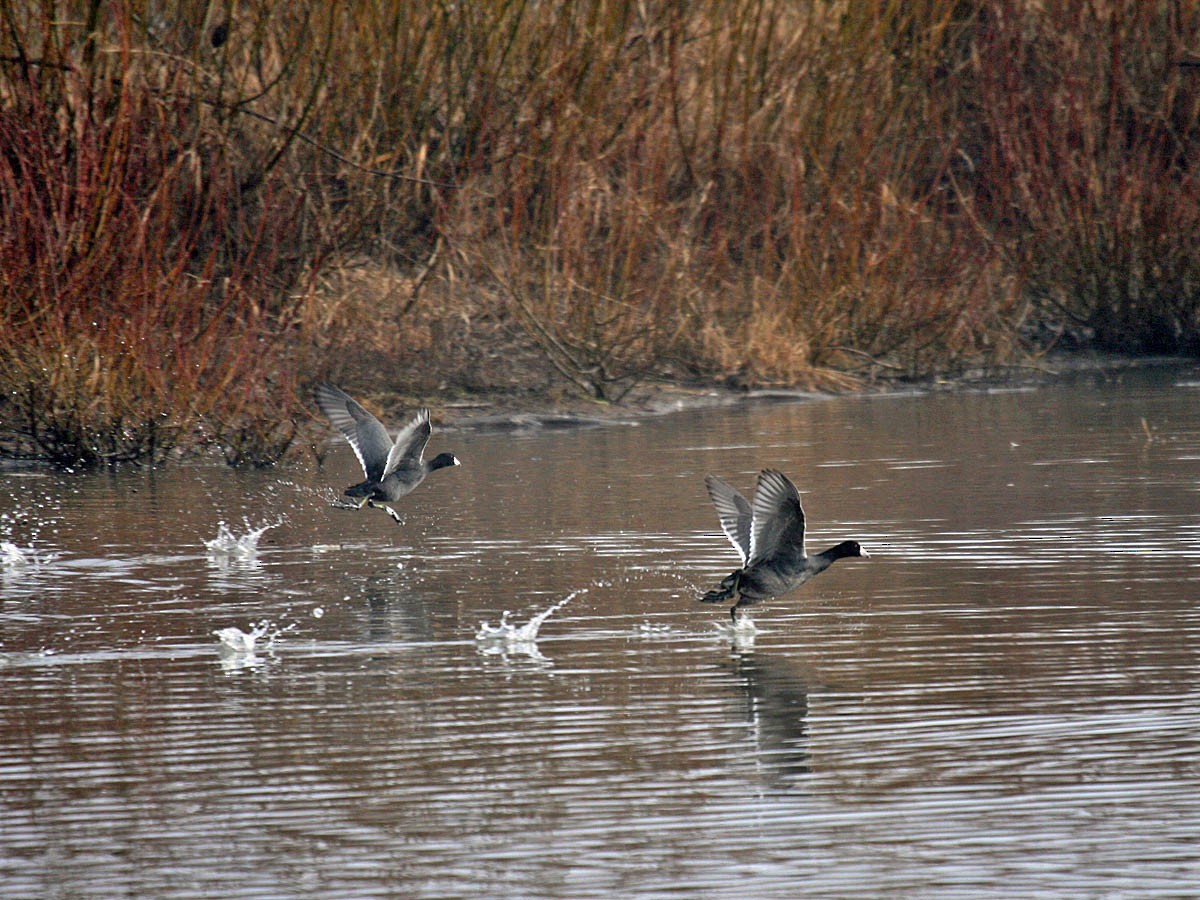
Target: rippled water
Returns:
[[1002, 701]]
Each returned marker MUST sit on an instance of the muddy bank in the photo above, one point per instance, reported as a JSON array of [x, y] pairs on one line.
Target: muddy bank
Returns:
[[534, 410]]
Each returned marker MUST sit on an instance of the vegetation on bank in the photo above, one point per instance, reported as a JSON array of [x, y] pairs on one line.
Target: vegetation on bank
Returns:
[[207, 206]]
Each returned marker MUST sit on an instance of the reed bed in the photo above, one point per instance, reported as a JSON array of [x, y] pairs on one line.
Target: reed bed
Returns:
[[207, 206]]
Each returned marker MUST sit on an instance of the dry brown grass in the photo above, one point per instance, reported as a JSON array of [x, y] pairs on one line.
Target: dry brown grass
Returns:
[[146, 290], [246, 199], [1089, 137]]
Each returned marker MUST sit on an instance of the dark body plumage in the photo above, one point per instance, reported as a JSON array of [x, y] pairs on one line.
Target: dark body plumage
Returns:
[[769, 536], [392, 468]]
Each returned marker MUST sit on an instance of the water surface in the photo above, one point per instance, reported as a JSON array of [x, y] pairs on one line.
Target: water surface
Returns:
[[1001, 701]]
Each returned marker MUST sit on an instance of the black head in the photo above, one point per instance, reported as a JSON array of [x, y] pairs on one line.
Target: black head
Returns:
[[442, 460], [849, 548]]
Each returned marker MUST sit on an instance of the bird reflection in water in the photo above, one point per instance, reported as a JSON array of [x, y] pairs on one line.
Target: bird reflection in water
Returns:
[[777, 709]]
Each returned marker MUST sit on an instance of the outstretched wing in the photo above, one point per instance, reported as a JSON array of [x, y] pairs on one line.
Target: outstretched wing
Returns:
[[733, 510], [778, 518], [365, 433], [410, 443]]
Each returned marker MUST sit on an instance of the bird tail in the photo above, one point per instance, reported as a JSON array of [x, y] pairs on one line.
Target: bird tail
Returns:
[[723, 592]]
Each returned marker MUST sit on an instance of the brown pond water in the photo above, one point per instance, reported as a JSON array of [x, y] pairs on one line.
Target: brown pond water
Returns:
[[1003, 701]]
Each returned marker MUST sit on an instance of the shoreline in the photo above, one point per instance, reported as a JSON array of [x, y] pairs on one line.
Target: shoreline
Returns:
[[506, 412], [530, 410]]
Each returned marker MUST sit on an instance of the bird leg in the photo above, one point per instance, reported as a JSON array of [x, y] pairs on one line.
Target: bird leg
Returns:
[[387, 509], [342, 504], [736, 591]]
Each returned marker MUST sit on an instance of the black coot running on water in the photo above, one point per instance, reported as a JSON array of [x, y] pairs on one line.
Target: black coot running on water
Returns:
[[769, 536], [392, 468]]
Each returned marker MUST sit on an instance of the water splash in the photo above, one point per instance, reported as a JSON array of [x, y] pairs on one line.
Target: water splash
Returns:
[[14, 558], [234, 640], [741, 631], [239, 649], [228, 544], [651, 629], [509, 638]]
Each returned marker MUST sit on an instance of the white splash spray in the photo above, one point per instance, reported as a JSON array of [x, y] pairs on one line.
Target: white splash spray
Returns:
[[14, 558], [245, 644], [740, 631], [245, 546], [509, 638]]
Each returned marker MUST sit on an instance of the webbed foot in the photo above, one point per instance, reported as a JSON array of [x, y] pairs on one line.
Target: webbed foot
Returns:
[[387, 509]]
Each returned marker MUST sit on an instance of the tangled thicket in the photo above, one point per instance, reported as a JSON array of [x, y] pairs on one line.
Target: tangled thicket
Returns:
[[201, 202]]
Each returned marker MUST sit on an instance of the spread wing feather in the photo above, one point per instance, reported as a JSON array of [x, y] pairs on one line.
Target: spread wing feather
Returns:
[[734, 513], [365, 433], [777, 523], [410, 443]]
